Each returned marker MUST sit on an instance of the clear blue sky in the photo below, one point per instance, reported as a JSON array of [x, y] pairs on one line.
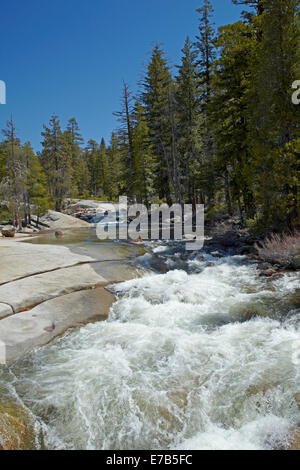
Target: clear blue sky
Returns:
[[71, 56]]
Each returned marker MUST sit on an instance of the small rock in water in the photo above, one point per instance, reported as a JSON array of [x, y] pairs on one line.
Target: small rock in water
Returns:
[[8, 232], [296, 262], [59, 234], [216, 254], [297, 398], [268, 273], [265, 266], [294, 439]]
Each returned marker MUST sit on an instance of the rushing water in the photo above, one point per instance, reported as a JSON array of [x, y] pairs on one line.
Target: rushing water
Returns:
[[202, 356]]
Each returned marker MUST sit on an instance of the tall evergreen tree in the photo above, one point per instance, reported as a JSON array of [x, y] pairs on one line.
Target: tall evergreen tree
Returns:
[[275, 120], [12, 185], [144, 163], [206, 56], [103, 168], [230, 116], [188, 121], [56, 159], [91, 157], [125, 118], [258, 5], [206, 50], [35, 197], [80, 175], [156, 99], [114, 177]]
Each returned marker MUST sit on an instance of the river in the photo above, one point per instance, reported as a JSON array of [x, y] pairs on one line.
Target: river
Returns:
[[198, 353]]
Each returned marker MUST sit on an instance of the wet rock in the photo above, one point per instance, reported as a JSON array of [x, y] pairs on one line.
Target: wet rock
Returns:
[[16, 428], [268, 273], [247, 249], [24, 331], [297, 398], [245, 312], [265, 266], [216, 254], [296, 262], [256, 389], [228, 239], [8, 232], [59, 234], [294, 439], [275, 276]]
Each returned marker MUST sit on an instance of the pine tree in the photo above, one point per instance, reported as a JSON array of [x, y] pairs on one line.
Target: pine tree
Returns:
[[156, 99], [258, 5], [80, 175], [56, 159], [230, 116], [125, 131], [91, 157], [206, 50], [188, 121], [206, 56], [12, 185], [103, 168], [144, 163], [4, 211], [36, 199], [275, 120], [114, 178]]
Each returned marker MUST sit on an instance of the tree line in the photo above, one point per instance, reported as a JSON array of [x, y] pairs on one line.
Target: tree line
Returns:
[[220, 130]]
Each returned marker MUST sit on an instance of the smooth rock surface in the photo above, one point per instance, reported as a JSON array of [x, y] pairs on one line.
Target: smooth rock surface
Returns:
[[5, 310], [57, 220], [20, 259], [46, 289], [33, 290], [24, 331]]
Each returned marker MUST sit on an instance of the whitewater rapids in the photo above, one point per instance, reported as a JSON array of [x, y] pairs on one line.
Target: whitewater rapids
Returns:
[[204, 359]]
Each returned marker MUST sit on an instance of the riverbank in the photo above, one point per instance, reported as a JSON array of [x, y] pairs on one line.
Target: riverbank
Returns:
[[206, 334], [47, 289], [199, 356]]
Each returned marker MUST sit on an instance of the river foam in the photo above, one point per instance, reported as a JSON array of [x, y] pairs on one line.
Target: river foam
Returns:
[[185, 361]]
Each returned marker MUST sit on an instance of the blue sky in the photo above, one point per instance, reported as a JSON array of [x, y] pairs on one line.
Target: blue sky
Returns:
[[70, 57]]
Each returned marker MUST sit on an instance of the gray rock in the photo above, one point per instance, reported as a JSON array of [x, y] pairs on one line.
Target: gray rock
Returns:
[[5, 310], [24, 331], [34, 290], [296, 262], [20, 260], [8, 231], [57, 220], [265, 266]]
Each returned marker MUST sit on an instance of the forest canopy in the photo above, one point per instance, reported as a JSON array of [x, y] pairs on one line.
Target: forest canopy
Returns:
[[222, 130]]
